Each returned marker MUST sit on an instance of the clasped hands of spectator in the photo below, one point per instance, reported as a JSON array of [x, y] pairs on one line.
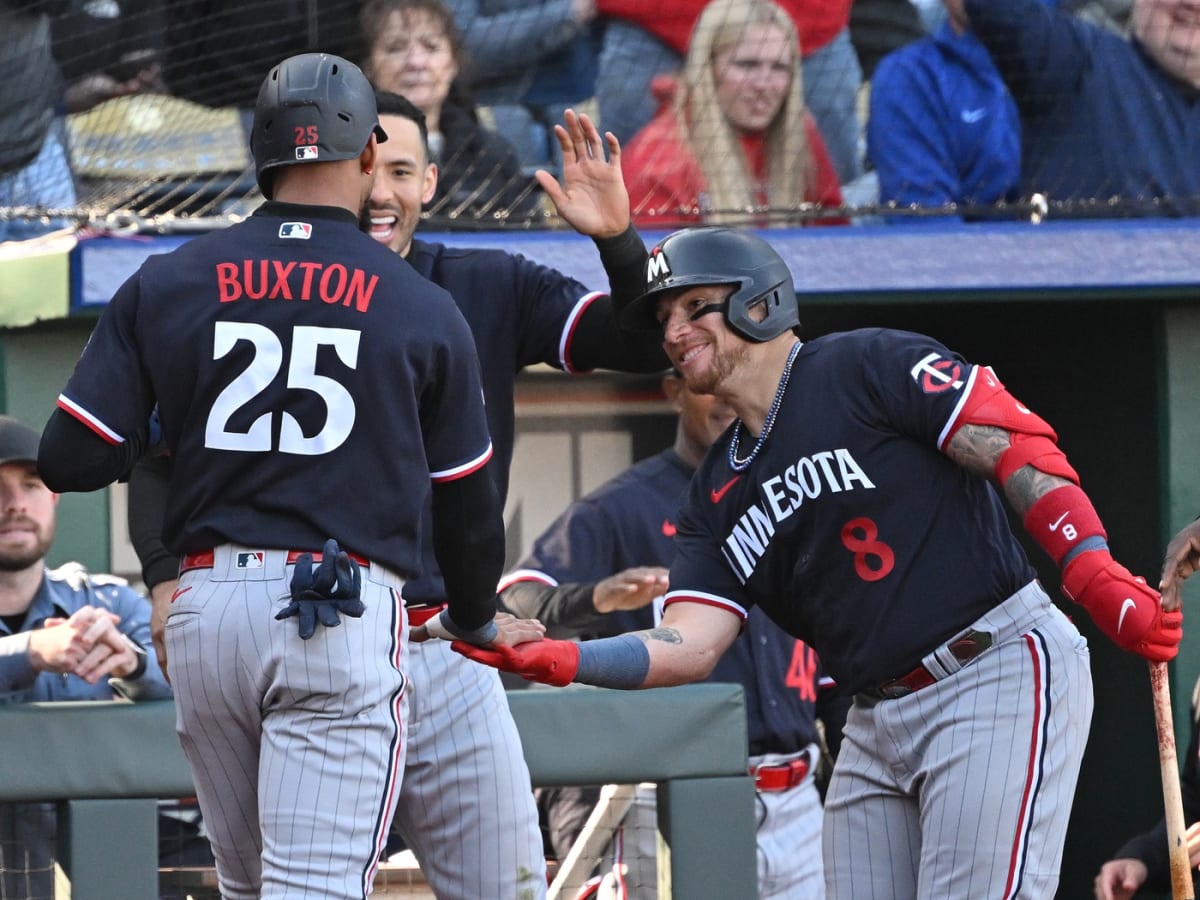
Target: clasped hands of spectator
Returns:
[[88, 644]]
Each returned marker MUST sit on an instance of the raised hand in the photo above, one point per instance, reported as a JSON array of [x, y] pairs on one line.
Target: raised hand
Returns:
[[592, 197]]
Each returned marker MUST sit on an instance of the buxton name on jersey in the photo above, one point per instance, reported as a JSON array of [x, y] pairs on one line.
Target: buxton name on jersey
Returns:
[[265, 361]]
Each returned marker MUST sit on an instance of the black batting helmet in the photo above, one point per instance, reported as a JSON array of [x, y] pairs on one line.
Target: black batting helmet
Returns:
[[718, 255], [314, 107]]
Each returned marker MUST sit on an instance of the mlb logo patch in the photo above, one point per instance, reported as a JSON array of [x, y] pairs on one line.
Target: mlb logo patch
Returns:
[[299, 230], [250, 559], [306, 153]]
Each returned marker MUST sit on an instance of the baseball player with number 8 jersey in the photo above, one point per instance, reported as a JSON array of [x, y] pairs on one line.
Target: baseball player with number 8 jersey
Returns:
[[856, 502], [313, 392]]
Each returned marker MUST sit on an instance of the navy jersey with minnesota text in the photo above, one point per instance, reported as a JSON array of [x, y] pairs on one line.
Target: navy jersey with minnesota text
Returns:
[[851, 528], [630, 521], [279, 351]]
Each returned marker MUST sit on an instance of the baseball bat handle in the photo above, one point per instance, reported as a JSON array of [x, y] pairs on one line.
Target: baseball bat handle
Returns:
[[1168, 763]]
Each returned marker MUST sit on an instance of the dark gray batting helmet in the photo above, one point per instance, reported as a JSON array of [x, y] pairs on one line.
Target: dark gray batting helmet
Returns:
[[718, 255], [314, 107]]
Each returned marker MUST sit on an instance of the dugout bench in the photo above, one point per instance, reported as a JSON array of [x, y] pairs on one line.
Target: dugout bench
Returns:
[[106, 764]]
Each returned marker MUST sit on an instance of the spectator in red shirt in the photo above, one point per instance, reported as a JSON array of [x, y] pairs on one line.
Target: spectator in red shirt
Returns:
[[735, 139], [643, 39]]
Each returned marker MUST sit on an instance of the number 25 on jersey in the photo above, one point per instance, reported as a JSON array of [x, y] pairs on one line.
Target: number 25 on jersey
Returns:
[[262, 371]]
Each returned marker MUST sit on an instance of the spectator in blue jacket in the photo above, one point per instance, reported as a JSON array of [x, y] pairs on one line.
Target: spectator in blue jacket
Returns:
[[1109, 126], [943, 128], [64, 635]]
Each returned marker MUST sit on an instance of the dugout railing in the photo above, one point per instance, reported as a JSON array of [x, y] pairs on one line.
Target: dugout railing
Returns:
[[106, 764], [1094, 324]]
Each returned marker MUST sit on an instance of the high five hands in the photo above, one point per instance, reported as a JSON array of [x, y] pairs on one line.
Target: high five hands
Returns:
[[592, 197]]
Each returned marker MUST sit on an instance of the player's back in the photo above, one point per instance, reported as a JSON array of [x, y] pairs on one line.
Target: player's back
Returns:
[[306, 380]]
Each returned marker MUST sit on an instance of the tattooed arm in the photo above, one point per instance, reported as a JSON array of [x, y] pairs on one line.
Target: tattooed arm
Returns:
[[684, 648], [1059, 516], [978, 448], [688, 643]]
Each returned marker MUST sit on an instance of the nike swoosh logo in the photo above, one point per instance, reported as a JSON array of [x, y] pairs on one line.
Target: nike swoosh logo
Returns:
[[1054, 525], [721, 491], [1125, 607], [973, 115], [668, 529]]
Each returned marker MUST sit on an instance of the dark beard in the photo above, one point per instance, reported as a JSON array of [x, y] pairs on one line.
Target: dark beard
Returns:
[[364, 217], [20, 560], [12, 562]]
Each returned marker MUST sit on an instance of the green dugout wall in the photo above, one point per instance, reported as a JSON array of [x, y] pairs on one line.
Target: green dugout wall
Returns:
[[1096, 326]]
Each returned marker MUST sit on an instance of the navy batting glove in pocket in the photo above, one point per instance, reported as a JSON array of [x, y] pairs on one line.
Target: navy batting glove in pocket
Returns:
[[321, 594]]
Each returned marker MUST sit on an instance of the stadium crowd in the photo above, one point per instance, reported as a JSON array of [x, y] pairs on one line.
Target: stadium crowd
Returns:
[[787, 113]]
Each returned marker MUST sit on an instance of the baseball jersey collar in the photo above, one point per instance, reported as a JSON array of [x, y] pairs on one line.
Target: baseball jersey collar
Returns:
[[276, 209]]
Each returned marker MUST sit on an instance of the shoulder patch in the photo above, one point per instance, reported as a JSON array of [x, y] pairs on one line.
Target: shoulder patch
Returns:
[[934, 374]]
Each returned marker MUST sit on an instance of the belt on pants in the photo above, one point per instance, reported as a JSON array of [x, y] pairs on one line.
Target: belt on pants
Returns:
[[203, 559], [782, 776], [964, 649], [419, 615]]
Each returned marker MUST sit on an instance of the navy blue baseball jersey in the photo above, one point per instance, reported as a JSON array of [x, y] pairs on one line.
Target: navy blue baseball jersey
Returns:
[[521, 313], [277, 361], [851, 528], [631, 521]]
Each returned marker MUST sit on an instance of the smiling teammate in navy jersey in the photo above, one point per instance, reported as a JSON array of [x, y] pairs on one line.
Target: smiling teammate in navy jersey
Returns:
[[473, 826], [857, 501], [627, 526], [314, 393]]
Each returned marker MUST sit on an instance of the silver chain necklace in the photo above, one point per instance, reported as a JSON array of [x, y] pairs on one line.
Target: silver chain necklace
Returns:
[[740, 465]]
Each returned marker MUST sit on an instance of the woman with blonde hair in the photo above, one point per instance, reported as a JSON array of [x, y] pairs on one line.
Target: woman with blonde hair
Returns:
[[733, 141]]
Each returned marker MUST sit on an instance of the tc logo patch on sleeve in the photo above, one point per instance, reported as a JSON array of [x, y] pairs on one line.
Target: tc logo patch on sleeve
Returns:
[[935, 374]]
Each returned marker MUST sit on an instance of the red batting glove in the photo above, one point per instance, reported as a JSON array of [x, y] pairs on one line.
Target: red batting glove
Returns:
[[1124, 607], [547, 661]]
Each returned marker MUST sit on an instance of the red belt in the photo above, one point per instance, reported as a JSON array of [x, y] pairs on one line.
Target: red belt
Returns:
[[781, 776], [203, 559], [421, 614], [965, 649]]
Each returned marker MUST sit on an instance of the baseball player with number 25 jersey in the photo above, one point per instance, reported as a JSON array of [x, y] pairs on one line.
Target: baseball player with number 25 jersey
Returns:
[[857, 502], [313, 391], [473, 825]]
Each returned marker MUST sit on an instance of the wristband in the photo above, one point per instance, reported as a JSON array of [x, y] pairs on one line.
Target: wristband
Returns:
[[621, 662], [1063, 520], [442, 626]]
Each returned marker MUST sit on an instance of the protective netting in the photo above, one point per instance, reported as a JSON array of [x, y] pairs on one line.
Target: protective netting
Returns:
[[133, 114]]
